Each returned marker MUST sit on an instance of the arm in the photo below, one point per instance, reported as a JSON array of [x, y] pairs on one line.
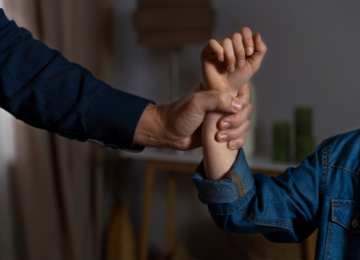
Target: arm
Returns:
[[284, 208], [40, 87], [217, 157], [226, 68]]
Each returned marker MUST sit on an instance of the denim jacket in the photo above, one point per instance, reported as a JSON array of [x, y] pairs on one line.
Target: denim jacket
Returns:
[[322, 193]]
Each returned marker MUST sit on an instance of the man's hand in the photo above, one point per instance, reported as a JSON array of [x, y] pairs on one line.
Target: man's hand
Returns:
[[227, 65], [178, 125]]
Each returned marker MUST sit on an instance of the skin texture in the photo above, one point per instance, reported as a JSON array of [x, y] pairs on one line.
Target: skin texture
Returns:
[[227, 66], [178, 125]]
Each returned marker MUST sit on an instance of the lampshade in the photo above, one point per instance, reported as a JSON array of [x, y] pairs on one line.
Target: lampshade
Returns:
[[173, 22]]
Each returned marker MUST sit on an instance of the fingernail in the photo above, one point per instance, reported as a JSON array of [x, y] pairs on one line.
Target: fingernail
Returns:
[[249, 50], [225, 125], [221, 58], [223, 137], [240, 63], [231, 68], [232, 145], [236, 104]]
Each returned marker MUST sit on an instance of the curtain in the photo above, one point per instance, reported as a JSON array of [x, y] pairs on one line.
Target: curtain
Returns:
[[6, 161], [57, 184]]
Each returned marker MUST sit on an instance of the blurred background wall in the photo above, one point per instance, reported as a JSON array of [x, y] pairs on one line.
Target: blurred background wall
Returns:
[[312, 60]]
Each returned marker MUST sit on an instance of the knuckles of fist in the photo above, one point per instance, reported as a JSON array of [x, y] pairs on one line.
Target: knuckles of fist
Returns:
[[227, 66]]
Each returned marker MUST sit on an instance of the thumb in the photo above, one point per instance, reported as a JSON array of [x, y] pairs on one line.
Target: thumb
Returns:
[[244, 94], [217, 101]]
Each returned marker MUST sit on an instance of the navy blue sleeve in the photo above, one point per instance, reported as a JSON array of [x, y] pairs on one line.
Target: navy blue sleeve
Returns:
[[43, 89]]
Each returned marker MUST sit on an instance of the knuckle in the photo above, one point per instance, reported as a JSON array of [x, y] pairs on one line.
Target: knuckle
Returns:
[[249, 41], [195, 98], [222, 98], [240, 53], [241, 142], [246, 30], [231, 59], [251, 108], [238, 117], [212, 42], [212, 98], [236, 36], [226, 41], [265, 48]]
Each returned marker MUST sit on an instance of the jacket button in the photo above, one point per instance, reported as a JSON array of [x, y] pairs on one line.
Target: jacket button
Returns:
[[355, 223]]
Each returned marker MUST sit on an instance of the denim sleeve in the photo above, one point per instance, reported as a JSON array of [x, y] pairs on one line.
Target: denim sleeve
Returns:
[[283, 208], [43, 89]]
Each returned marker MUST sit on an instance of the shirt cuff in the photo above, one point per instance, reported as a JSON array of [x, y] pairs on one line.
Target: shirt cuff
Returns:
[[237, 183], [113, 118]]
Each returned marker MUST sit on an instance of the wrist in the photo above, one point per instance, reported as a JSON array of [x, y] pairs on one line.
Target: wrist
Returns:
[[206, 87], [149, 131]]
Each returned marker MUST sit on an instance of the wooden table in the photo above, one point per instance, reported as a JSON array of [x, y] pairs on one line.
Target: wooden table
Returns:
[[174, 162]]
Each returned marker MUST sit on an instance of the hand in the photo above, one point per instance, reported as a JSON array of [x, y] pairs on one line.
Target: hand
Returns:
[[233, 126], [228, 65], [178, 125]]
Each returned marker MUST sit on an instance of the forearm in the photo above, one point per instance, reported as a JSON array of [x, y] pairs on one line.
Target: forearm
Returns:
[[218, 159], [43, 89], [150, 130]]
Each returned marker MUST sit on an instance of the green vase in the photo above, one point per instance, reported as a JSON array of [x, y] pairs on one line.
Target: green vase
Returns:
[[281, 142]]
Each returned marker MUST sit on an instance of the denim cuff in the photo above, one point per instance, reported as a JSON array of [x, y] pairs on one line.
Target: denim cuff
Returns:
[[113, 118], [236, 184]]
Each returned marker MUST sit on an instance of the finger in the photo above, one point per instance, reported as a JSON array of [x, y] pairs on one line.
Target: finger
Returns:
[[259, 52], [238, 49], [237, 144], [204, 101], [247, 40], [229, 54], [234, 121], [213, 49], [232, 134], [244, 94]]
